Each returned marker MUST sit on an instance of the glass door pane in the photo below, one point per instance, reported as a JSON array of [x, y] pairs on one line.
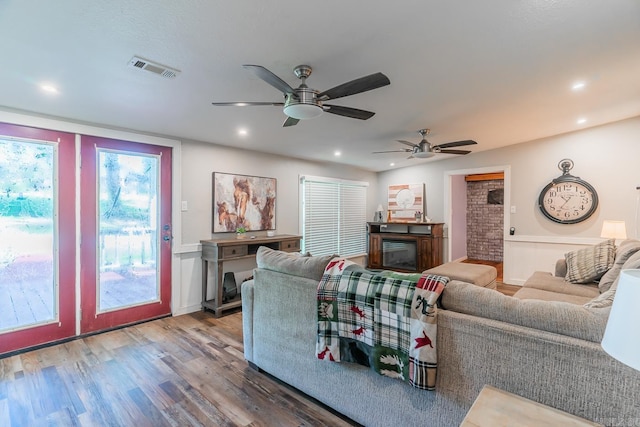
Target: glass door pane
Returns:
[[37, 236], [127, 230], [28, 276], [125, 262]]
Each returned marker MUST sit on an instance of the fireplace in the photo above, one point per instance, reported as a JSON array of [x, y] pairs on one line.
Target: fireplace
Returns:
[[406, 247], [399, 254]]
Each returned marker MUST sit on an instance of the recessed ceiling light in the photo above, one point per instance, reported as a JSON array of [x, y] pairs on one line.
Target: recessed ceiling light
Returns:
[[581, 121], [337, 153], [242, 132], [392, 164], [48, 88], [578, 86]]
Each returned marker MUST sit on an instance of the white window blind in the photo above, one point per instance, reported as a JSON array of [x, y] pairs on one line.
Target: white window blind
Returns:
[[333, 216]]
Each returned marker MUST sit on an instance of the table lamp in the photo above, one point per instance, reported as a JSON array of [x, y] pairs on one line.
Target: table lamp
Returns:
[[378, 216], [622, 336], [613, 230]]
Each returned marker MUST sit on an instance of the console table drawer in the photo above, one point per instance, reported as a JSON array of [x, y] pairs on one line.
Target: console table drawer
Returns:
[[290, 245], [234, 251]]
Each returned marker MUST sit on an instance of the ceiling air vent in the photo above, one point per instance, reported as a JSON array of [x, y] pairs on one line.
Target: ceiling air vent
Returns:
[[153, 67]]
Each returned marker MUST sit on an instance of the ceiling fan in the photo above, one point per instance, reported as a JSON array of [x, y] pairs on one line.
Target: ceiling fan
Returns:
[[424, 149], [306, 103]]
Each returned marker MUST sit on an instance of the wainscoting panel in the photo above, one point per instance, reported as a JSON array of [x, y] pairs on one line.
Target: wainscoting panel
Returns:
[[527, 254]]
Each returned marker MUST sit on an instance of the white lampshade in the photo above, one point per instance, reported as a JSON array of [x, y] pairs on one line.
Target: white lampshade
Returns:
[[303, 111], [622, 336], [613, 230], [379, 208]]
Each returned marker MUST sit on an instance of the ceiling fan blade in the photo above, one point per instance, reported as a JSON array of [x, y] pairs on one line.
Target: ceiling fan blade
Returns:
[[290, 122], [362, 84], [392, 151], [410, 144], [270, 78], [457, 144], [454, 151], [354, 113], [245, 104]]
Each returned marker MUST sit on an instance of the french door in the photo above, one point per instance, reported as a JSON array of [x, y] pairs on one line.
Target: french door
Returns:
[[37, 236], [125, 224]]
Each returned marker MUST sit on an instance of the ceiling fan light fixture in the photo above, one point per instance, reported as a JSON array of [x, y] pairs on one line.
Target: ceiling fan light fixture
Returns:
[[424, 154], [303, 111]]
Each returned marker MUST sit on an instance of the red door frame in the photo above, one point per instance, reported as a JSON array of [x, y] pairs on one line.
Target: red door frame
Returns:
[[90, 320], [66, 244]]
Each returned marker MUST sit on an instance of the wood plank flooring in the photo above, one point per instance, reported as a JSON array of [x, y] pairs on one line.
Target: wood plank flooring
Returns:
[[187, 370]]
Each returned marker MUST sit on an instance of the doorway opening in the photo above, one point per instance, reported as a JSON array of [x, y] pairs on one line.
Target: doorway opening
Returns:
[[475, 201]]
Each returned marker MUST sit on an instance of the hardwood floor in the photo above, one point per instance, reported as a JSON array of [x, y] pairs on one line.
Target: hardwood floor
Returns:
[[187, 370]]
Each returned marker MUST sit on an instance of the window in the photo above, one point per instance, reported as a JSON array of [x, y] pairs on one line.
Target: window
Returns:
[[333, 216]]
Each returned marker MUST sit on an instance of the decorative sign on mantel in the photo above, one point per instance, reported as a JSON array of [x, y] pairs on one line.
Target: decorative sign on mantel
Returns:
[[406, 202]]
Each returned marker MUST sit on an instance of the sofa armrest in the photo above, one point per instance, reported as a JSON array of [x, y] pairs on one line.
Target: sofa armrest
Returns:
[[561, 268], [247, 293]]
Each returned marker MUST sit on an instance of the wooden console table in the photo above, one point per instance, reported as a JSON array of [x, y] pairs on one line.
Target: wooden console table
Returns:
[[425, 238], [497, 408], [218, 251]]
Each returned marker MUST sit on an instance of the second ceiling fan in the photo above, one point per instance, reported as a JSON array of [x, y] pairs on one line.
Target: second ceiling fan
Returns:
[[424, 149], [306, 103]]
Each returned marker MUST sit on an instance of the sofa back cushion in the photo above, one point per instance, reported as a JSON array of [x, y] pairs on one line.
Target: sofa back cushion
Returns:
[[552, 316], [311, 267], [589, 264], [624, 251]]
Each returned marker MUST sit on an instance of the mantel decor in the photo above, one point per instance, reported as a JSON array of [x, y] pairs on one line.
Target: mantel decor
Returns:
[[405, 201], [243, 202]]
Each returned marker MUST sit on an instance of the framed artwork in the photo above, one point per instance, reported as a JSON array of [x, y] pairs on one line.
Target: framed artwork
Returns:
[[404, 201], [243, 201]]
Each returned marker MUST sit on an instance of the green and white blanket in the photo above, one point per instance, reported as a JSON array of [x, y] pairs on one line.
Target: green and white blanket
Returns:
[[384, 320]]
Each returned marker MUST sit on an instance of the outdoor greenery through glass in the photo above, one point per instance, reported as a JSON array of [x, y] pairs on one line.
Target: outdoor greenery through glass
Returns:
[[27, 239], [128, 229]]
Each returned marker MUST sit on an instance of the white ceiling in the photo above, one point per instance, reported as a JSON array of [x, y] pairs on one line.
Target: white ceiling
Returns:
[[495, 71]]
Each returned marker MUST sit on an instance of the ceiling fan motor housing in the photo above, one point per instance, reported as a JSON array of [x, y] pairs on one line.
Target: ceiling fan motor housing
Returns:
[[306, 106]]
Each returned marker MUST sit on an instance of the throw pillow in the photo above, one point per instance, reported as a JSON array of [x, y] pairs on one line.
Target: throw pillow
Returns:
[[623, 252], [605, 299], [589, 264], [632, 263]]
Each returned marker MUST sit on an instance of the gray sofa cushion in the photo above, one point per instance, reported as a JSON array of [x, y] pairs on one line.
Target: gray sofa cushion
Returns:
[[532, 293], [311, 267], [544, 281], [624, 251], [552, 316]]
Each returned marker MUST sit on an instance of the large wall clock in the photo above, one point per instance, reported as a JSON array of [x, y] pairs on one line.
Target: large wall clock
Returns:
[[568, 199]]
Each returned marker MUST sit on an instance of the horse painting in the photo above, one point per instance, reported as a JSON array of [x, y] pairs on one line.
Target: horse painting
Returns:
[[267, 212], [225, 218], [243, 201]]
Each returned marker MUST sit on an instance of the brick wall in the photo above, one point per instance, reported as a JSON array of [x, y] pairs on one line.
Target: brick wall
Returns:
[[484, 222]]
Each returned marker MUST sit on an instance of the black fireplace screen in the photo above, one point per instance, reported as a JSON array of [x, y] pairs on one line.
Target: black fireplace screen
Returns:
[[400, 254]]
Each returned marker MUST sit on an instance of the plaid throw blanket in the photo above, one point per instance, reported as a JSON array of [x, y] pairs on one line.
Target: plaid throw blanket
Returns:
[[384, 320]]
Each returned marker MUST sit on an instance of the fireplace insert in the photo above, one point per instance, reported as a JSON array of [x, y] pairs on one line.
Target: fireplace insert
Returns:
[[399, 254]]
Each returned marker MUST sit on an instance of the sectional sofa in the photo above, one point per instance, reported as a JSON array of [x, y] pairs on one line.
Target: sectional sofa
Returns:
[[547, 351]]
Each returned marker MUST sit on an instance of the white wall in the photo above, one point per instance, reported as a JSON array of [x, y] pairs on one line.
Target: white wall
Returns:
[[200, 160], [605, 156]]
